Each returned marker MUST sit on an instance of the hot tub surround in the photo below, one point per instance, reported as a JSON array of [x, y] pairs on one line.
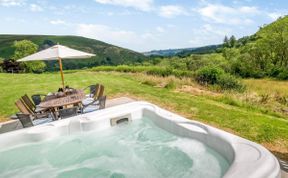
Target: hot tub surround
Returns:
[[247, 158]]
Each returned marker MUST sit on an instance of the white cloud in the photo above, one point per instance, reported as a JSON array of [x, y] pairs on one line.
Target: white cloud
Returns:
[[8, 3], [228, 15], [160, 29], [105, 33], [248, 10], [144, 5], [275, 15], [170, 11], [208, 34], [210, 29], [57, 22], [140, 41], [35, 8]]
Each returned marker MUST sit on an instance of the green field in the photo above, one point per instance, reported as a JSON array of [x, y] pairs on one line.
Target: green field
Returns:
[[268, 129]]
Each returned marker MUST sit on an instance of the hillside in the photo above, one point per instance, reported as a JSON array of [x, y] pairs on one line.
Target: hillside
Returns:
[[271, 31], [183, 51], [106, 54]]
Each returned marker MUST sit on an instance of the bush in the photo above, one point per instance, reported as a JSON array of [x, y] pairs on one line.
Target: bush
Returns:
[[208, 75], [229, 82], [149, 70], [164, 72], [149, 82], [35, 67], [217, 76], [283, 75], [171, 85]]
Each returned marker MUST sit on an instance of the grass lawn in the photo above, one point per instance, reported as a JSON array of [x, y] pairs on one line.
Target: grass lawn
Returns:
[[264, 86], [268, 130]]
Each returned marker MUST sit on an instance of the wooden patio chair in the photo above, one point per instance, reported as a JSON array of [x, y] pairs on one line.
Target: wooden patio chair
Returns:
[[25, 110], [93, 90], [101, 92], [68, 112], [27, 121], [94, 105], [28, 102], [31, 106], [36, 98], [22, 108]]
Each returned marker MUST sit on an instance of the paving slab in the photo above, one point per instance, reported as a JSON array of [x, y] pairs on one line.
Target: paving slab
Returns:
[[10, 126], [118, 101]]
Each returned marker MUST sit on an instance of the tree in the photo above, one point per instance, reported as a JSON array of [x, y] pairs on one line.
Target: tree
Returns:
[[47, 44], [226, 43], [24, 48], [233, 41], [1, 63]]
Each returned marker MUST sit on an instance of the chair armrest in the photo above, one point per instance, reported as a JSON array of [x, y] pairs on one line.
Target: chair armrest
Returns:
[[40, 115], [85, 88], [91, 103]]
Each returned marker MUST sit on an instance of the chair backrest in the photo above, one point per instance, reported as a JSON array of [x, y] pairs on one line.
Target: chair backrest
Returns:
[[101, 92], [25, 120], [36, 99], [68, 112], [28, 102], [22, 108], [94, 89], [102, 102]]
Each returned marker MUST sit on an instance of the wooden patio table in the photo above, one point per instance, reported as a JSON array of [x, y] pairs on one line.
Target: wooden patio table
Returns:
[[64, 100], [68, 99]]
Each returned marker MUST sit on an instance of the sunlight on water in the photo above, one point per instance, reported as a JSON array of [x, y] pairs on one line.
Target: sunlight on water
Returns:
[[138, 149]]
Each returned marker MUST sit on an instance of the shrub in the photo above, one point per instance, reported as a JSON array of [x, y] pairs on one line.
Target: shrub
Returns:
[[170, 85], [208, 75], [283, 75], [149, 82], [230, 101], [164, 72], [150, 70], [35, 66], [182, 73], [275, 71], [229, 82]]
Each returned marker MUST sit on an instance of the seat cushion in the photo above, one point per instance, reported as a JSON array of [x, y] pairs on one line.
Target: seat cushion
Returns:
[[90, 108], [42, 121], [87, 101], [89, 95]]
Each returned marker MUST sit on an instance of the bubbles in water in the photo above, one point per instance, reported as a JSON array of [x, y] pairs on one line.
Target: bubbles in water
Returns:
[[138, 149]]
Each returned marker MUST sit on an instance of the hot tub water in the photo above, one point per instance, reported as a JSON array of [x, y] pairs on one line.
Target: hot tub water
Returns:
[[137, 149]]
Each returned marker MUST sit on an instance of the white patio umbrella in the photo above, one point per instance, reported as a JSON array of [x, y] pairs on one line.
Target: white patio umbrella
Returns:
[[57, 52]]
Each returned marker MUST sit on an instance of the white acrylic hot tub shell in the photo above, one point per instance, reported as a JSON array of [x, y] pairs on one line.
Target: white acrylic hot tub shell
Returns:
[[247, 158]]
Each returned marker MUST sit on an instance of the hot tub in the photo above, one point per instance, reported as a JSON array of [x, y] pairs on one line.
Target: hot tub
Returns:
[[137, 139]]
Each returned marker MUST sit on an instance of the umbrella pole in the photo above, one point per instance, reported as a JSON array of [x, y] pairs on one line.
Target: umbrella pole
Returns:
[[61, 72]]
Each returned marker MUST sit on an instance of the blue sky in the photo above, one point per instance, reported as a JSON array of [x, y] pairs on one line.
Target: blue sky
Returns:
[[141, 25]]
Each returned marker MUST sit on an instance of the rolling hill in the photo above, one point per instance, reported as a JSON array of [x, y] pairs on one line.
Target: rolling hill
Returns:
[[106, 54], [183, 51]]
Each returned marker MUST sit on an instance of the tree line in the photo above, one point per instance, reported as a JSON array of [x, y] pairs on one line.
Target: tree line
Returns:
[[264, 54]]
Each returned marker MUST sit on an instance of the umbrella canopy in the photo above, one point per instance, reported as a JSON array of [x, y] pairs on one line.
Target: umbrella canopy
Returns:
[[57, 52]]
